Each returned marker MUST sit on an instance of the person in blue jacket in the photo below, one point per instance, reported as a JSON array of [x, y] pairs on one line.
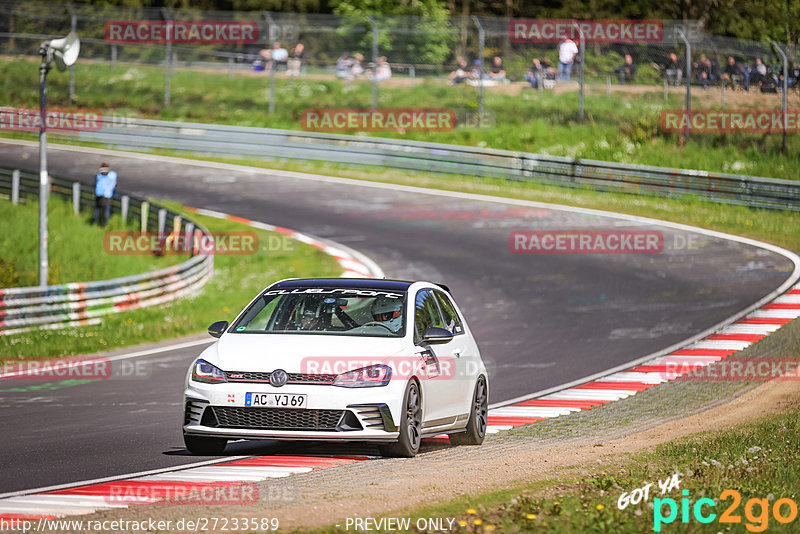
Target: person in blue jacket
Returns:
[[105, 183]]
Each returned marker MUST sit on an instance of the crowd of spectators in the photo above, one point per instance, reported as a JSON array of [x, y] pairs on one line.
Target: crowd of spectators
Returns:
[[706, 71], [734, 73]]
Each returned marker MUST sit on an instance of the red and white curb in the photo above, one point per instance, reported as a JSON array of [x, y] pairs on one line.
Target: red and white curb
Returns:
[[714, 347], [355, 264], [153, 488]]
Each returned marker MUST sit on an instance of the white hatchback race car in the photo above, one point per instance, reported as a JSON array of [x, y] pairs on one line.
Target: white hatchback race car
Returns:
[[340, 359]]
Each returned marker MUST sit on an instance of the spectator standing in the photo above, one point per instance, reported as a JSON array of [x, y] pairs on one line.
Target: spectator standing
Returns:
[[535, 73], [673, 69], [497, 72], [567, 52], [296, 60], [461, 74], [104, 186], [627, 70]]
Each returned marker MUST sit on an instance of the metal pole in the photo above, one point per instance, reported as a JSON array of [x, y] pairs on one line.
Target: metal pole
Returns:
[[113, 56], [723, 95], [784, 102], [375, 35], [73, 24], [44, 184], [481, 44], [666, 90], [15, 186], [270, 26], [125, 205], [688, 82], [583, 67], [76, 198], [168, 56]]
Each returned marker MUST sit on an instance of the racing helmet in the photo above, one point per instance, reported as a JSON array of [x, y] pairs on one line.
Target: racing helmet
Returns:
[[388, 311]]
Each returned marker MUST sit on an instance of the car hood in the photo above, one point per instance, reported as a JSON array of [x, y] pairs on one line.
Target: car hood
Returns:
[[299, 353]]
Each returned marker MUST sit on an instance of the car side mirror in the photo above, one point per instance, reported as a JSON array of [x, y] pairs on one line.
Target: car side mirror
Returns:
[[434, 335], [218, 328]]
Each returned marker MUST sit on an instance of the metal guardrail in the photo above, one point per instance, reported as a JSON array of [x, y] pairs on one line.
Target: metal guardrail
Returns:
[[57, 306], [752, 191]]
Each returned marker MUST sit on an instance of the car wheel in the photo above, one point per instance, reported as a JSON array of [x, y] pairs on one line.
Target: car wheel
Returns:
[[204, 446], [476, 427], [407, 445]]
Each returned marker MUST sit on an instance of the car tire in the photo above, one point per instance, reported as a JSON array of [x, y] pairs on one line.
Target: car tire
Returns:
[[478, 417], [410, 426], [204, 446]]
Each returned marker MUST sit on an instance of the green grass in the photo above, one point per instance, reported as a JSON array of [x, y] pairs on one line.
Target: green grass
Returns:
[[237, 278], [75, 250], [758, 460], [623, 128]]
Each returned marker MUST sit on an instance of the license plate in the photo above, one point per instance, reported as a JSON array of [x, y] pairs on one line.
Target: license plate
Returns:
[[276, 400]]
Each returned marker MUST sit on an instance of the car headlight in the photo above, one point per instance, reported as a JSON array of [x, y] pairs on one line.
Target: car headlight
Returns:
[[366, 377], [207, 373]]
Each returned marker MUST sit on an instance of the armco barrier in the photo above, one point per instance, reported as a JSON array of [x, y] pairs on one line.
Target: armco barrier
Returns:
[[139, 134], [56, 306]]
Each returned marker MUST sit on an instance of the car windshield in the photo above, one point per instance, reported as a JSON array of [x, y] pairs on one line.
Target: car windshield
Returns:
[[326, 310]]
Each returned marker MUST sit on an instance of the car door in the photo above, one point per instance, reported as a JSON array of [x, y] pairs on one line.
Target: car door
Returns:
[[440, 395], [461, 353]]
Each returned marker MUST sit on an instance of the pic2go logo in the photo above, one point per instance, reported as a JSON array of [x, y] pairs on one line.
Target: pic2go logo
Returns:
[[757, 521]]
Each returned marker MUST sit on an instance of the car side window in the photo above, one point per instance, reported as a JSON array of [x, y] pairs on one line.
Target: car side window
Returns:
[[426, 313], [449, 314]]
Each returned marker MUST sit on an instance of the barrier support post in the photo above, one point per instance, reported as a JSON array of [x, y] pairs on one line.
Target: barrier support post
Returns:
[[76, 198]]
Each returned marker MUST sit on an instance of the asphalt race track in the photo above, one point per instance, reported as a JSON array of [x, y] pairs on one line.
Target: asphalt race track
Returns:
[[540, 320]]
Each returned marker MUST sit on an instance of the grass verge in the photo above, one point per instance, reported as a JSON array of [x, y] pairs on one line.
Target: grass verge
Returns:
[[75, 246], [237, 278]]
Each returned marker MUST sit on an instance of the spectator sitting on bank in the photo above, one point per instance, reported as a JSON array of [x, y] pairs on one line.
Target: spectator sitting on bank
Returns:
[[673, 69], [758, 74], [707, 72], [383, 71], [279, 56], [477, 70], [627, 70], [296, 60], [356, 69], [535, 73], [734, 73], [343, 66], [461, 74], [497, 72]]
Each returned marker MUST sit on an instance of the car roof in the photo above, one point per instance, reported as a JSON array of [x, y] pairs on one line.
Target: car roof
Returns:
[[361, 283]]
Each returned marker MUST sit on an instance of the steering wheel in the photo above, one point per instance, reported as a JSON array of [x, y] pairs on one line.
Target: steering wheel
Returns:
[[389, 328]]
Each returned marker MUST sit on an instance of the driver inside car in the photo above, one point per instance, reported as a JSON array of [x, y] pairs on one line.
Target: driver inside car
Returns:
[[388, 311]]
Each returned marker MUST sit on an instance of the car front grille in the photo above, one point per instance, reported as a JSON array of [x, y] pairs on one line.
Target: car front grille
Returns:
[[292, 378], [277, 418]]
